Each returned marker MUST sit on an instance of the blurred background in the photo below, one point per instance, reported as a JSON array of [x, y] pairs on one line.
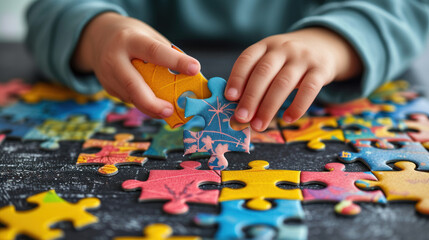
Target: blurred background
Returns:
[[12, 20]]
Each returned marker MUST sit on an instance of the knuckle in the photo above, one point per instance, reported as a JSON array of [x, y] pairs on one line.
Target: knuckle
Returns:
[[282, 82], [153, 49], [310, 87], [263, 69], [123, 34], [249, 98]]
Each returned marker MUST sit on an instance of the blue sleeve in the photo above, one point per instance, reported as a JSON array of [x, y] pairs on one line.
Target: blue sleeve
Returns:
[[54, 31], [386, 34]]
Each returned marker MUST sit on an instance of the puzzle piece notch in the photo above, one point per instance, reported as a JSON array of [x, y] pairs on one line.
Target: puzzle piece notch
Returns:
[[158, 231], [406, 184], [340, 187], [178, 187], [234, 217], [169, 86], [376, 159], [8, 90], [310, 129], [261, 184], [217, 137], [51, 209], [113, 153], [167, 139], [131, 118]]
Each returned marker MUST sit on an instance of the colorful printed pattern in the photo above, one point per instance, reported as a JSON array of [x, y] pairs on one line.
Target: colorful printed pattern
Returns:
[[217, 137], [132, 118], [167, 139]]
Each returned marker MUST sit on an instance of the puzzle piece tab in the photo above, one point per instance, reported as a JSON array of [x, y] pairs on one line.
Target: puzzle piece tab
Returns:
[[113, 153], [158, 231], [376, 159], [10, 90], [169, 86], [51, 209], [261, 184], [132, 118], [234, 217], [406, 184], [178, 187], [310, 129], [340, 187], [217, 137]]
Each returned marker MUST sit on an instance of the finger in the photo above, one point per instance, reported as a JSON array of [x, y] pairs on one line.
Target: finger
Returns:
[[258, 83], [283, 84], [308, 90], [156, 52], [242, 69]]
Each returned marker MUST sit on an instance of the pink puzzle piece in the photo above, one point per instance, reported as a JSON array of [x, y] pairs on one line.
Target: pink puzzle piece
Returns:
[[132, 118], [340, 187], [10, 89], [178, 186], [419, 123]]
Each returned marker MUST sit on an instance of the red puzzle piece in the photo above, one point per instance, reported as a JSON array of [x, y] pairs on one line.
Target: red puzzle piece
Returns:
[[178, 186], [12, 88], [420, 123], [340, 186], [132, 118]]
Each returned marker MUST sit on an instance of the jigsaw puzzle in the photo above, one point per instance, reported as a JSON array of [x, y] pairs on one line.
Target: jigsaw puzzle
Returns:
[[419, 124], [284, 232], [17, 129], [340, 187], [170, 86], [11, 90], [131, 118], [357, 107], [167, 139], [261, 184], [95, 111], [271, 135], [234, 217], [23, 111], [217, 137], [158, 231], [387, 91], [51, 209], [113, 153], [377, 159], [418, 105], [310, 129], [406, 184], [178, 187]]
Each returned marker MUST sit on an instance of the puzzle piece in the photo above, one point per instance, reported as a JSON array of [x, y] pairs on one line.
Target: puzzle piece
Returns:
[[271, 135], [17, 129], [158, 231], [387, 90], [340, 187], [376, 159], [420, 124], [95, 111], [234, 217], [284, 232], [169, 86], [50, 210], [132, 118], [11, 89], [178, 187], [360, 106], [418, 105], [260, 185], [21, 111], [74, 129], [310, 129], [406, 184], [113, 153], [167, 139], [217, 137]]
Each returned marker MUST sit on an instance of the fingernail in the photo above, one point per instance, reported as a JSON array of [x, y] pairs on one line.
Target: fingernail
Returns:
[[232, 92], [287, 119], [166, 112], [242, 113], [192, 69], [256, 124]]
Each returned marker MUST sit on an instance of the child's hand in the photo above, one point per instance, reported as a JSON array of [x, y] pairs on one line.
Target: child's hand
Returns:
[[266, 73], [107, 46]]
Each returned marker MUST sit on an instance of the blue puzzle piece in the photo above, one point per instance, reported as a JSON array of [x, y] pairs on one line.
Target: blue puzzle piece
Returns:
[[285, 232], [21, 111], [95, 111], [17, 129], [418, 105], [234, 217], [376, 159], [217, 137]]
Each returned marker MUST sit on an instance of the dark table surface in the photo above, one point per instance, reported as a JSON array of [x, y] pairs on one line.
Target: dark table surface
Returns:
[[26, 170]]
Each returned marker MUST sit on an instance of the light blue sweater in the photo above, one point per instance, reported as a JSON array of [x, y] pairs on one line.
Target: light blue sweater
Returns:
[[387, 34]]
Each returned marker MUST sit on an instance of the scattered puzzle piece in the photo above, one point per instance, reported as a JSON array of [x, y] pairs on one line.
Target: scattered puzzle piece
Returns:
[[169, 86], [17, 129], [12, 89], [360, 106], [21, 111], [385, 92], [113, 153], [217, 137], [340, 187], [407, 184], [178, 187], [284, 232], [51, 209], [419, 123], [271, 135], [95, 111], [132, 118], [158, 231], [167, 139], [234, 217], [376, 159], [310, 129], [260, 185], [418, 105]]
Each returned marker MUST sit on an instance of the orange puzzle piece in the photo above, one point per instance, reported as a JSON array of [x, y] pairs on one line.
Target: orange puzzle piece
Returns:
[[169, 86]]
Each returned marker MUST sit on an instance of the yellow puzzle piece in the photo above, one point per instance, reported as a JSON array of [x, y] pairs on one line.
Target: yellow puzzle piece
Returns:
[[407, 184], [45, 91], [169, 86], [310, 129], [260, 185], [158, 231], [51, 209]]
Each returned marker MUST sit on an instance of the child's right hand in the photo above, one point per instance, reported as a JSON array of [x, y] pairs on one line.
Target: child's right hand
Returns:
[[107, 46]]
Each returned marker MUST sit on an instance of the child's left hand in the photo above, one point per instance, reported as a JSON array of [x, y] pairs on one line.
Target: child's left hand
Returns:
[[267, 72]]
